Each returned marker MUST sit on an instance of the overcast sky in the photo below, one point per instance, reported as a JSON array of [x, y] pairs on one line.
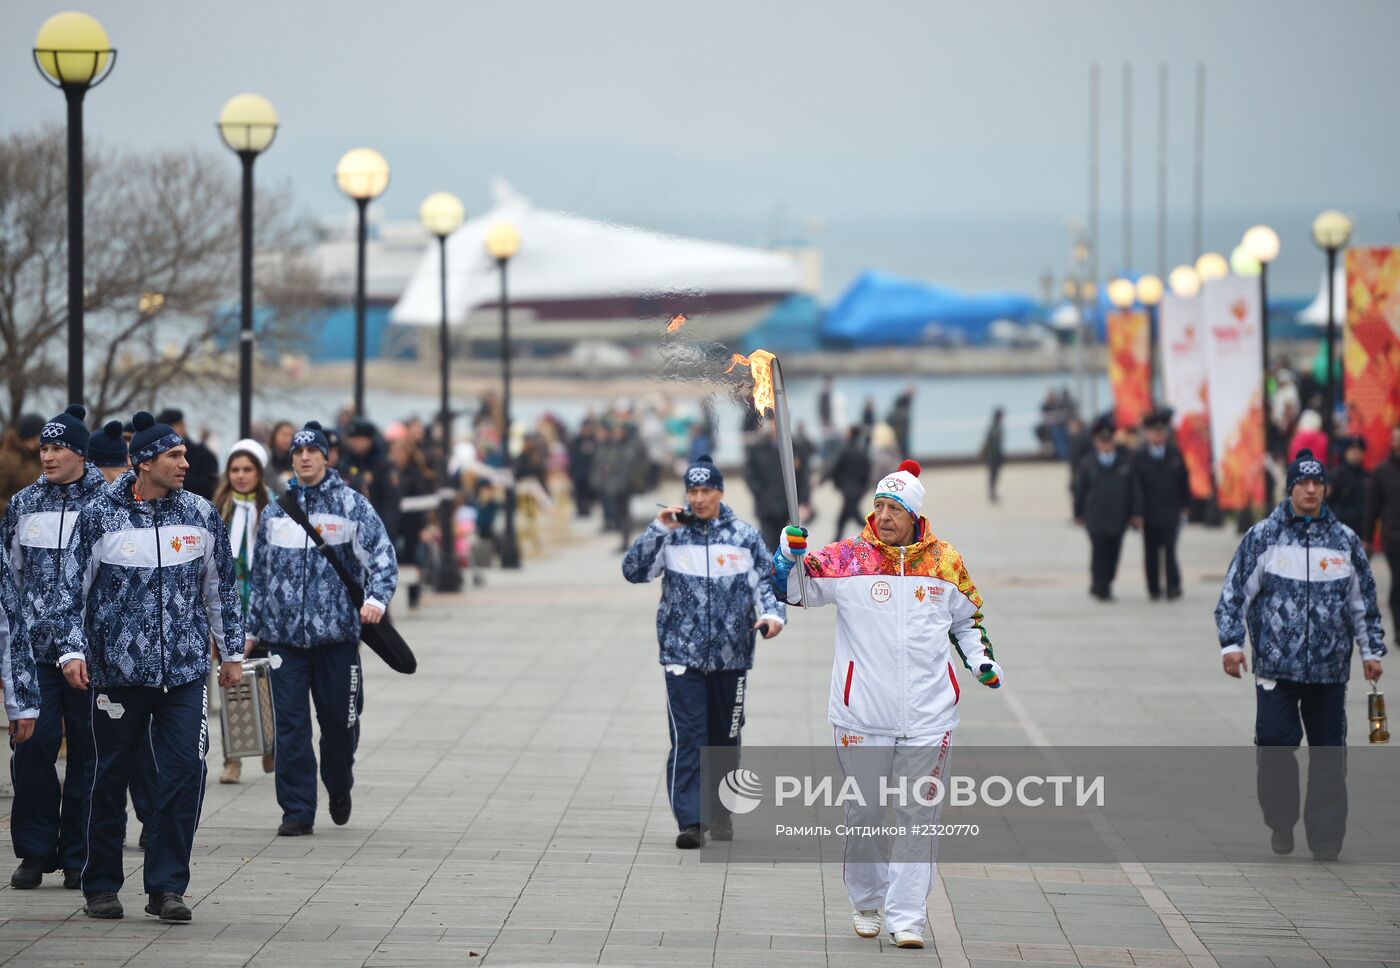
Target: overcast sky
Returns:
[[900, 125]]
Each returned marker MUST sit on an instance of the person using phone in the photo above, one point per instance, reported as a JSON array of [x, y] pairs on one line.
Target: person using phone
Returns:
[[715, 597], [300, 610]]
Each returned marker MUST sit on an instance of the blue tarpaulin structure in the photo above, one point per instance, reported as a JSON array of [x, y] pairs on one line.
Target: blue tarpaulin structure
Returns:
[[794, 326], [885, 310]]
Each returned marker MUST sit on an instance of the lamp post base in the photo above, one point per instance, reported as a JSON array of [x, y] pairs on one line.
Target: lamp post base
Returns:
[[510, 547], [449, 576]]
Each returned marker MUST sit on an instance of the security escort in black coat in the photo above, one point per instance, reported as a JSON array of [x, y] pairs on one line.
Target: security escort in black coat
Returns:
[[1347, 487], [1164, 493], [1105, 503]]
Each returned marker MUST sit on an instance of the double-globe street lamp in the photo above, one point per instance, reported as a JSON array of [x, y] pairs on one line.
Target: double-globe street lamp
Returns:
[[363, 175], [73, 54], [1331, 231], [442, 214], [247, 123], [502, 244]]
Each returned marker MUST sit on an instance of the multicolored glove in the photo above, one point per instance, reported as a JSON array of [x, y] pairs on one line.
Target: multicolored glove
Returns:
[[989, 674], [793, 543]]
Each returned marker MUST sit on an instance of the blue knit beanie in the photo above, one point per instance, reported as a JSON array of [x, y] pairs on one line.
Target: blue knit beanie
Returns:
[[704, 473], [108, 447], [67, 430], [150, 439], [311, 436], [1306, 467]]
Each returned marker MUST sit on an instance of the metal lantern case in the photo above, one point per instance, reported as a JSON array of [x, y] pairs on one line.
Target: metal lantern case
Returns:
[[246, 714], [1375, 712]]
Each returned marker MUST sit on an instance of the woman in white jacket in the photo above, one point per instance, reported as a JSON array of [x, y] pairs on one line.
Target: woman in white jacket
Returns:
[[904, 605]]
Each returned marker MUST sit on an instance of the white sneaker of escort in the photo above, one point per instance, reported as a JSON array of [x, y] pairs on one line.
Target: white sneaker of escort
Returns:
[[908, 939], [867, 923]]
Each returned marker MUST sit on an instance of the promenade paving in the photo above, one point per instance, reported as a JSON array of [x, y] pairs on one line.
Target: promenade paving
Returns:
[[510, 806]]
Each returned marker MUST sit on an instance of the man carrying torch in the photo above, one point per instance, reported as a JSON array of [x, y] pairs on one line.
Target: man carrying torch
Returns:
[[904, 602]]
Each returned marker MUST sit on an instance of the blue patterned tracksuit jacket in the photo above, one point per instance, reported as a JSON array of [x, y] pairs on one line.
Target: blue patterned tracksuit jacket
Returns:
[[147, 584], [35, 533], [297, 599], [1303, 589], [715, 586]]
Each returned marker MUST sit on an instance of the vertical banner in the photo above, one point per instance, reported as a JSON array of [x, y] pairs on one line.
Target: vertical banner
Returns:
[[1234, 378], [1130, 365], [1371, 346], [1181, 350]]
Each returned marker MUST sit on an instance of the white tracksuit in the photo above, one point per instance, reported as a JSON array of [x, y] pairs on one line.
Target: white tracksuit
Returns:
[[900, 614]]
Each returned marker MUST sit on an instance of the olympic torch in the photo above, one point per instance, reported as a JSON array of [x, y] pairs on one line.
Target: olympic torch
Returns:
[[770, 394], [782, 419]]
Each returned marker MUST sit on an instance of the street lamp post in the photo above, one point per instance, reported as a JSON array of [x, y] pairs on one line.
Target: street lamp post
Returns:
[[247, 123], [362, 174], [1149, 293], [1331, 231], [441, 214], [502, 243], [1260, 243], [73, 54]]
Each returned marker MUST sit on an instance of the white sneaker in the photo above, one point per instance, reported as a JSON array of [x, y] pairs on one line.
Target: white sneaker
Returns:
[[908, 939], [867, 923]]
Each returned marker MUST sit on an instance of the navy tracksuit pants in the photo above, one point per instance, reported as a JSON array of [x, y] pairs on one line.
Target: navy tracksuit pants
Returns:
[[330, 676], [1282, 714], [177, 726], [47, 817], [705, 709]]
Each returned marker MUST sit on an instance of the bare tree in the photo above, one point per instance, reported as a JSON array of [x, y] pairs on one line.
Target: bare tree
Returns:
[[161, 274]]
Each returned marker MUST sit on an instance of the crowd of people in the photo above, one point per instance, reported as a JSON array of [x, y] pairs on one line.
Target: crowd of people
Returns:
[[138, 571]]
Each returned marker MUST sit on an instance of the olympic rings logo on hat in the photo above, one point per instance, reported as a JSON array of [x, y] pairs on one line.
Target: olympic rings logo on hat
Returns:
[[1310, 468], [303, 438], [52, 430], [892, 484], [698, 475]]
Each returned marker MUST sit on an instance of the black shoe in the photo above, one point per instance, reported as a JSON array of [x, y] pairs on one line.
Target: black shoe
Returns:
[[691, 837], [72, 878], [30, 872], [1173, 594], [141, 844], [1155, 596], [292, 828], [1282, 841], [722, 829], [340, 810], [168, 907], [104, 907], [1325, 856]]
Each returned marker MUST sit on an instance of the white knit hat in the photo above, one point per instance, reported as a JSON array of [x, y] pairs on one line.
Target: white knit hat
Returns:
[[250, 447], [904, 487]]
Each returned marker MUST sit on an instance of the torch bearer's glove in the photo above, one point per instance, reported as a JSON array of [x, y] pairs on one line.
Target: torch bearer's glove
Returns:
[[793, 544], [989, 674]]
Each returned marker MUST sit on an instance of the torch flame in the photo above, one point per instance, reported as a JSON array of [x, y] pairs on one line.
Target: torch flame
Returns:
[[677, 321], [760, 364]]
